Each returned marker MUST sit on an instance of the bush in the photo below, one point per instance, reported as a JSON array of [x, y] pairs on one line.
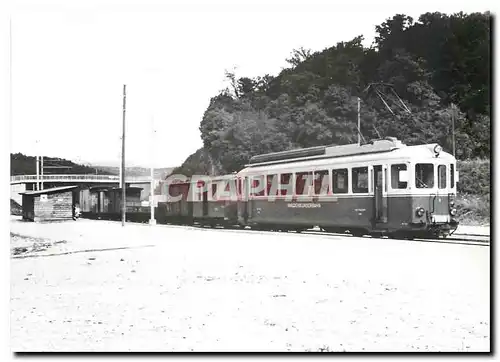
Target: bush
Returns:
[[473, 209], [474, 177]]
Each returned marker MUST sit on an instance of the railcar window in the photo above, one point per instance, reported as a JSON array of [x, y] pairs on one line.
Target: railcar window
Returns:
[[321, 182], [424, 175], [272, 185], [302, 182], [340, 181], [258, 187], [214, 190], [442, 176], [396, 182], [285, 183], [452, 175], [359, 179]]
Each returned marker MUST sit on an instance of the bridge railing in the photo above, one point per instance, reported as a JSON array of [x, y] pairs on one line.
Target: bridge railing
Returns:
[[112, 178]]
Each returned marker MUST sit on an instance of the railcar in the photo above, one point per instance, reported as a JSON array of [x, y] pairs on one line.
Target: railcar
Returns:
[[381, 188], [202, 200], [104, 202], [214, 200]]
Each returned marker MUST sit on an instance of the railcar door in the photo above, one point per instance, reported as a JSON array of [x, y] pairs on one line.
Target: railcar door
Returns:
[[440, 202], [205, 201], [188, 200], [244, 193], [379, 183], [248, 204]]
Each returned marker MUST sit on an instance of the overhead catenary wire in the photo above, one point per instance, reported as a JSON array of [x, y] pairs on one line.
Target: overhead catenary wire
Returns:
[[376, 130], [380, 90], [403, 105]]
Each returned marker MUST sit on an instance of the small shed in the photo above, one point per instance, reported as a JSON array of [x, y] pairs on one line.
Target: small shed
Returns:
[[49, 204]]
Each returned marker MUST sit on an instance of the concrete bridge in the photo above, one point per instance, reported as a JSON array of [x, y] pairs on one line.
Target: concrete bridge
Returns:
[[32, 179]]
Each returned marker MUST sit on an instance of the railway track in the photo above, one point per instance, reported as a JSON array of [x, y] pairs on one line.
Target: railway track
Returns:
[[463, 239], [480, 240]]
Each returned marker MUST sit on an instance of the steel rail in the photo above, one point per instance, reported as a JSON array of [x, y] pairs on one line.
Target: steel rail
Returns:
[[238, 229]]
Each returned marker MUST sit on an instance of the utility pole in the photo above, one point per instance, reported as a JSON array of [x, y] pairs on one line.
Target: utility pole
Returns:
[[359, 121], [120, 177], [10, 72], [41, 169], [453, 127], [37, 173], [124, 198], [152, 220]]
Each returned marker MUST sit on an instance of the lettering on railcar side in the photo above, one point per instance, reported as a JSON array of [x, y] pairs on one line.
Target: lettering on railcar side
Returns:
[[303, 205]]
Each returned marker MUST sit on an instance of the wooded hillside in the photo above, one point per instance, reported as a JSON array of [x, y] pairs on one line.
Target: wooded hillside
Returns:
[[21, 164], [432, 62]]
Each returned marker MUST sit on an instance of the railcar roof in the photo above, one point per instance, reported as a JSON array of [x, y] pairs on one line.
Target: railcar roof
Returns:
[[377, 146], [401, 152], [190, 180]]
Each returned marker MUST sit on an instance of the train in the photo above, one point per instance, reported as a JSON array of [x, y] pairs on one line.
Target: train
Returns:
[[381, 188]]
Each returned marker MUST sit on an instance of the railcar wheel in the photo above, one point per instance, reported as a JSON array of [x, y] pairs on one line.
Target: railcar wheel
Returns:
[[403, 235], [408, 236], [358, 232]]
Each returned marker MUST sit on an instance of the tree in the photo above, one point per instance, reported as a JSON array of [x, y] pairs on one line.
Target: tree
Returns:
[[298, 56], [432, 62]]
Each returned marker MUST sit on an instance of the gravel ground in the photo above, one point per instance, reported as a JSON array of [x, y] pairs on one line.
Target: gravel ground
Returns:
[[95, 286], [473, 230]]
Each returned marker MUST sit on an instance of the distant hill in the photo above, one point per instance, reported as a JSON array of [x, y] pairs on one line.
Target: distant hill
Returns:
[[21, 164]]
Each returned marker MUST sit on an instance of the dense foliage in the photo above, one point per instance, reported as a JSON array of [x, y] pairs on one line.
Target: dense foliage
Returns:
[[473, 198], [434, 63], [199, 163], [474, 177]]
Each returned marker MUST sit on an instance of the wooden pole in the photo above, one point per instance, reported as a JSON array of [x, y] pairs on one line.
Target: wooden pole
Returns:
[[453, 127], [359, 121], [37, 173], [41, 171], [120, 177], [152, 220], [124, 198]]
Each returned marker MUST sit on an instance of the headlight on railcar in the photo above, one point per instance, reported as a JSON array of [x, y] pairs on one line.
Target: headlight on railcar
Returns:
[[420, 211], [453, 212], [452, 203]]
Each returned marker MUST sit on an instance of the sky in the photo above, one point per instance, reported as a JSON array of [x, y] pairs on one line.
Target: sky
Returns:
[[71, 59]]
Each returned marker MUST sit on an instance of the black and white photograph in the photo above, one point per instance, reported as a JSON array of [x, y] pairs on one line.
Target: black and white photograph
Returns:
[[249, 176]]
